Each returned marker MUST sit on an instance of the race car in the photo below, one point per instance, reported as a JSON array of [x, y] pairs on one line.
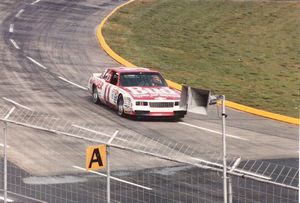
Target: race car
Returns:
[[136, 92]]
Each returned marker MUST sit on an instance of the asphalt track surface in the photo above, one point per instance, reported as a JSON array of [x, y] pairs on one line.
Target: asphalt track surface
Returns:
[[44, 41]]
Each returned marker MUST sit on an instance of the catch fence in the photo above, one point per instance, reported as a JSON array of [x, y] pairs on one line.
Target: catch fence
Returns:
[[47, 164]]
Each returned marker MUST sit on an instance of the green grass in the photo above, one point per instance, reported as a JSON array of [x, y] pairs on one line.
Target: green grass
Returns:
[[249, 51]]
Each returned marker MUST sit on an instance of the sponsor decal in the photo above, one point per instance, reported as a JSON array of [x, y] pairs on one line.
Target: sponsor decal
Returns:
[[160, 98], [139, 92], [127, 103], [114, 95], [106, 95], [99, 84]]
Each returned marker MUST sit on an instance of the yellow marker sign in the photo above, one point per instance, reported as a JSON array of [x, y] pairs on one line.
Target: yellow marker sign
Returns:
[[96, 157]]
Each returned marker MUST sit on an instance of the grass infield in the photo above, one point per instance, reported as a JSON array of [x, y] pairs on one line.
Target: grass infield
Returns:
[[247, 50]]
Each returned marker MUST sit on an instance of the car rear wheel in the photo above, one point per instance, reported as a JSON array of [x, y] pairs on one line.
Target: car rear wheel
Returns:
[[120, 109], [96, 99]]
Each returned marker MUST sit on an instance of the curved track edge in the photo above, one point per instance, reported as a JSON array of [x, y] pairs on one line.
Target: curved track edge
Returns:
[[172, 84]]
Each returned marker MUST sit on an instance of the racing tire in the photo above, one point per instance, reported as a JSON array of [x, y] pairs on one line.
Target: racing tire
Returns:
[[175, 118], [120, 106], [96, 99]]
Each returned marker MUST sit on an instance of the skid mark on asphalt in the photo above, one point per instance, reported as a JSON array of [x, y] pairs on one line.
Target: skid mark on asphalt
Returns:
[[213, 131]]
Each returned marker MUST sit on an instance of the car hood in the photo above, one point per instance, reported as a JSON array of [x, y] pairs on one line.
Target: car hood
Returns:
[[153, 93]]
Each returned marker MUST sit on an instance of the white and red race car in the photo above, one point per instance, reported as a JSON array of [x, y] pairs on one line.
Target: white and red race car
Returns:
[[135, 91]]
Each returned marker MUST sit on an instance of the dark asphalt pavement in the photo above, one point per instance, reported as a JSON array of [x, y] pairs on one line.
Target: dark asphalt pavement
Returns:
[[44, 41]]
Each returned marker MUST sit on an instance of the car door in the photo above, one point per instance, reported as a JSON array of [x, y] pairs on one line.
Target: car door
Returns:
[[102, 85], [113, 89], [109, 92]]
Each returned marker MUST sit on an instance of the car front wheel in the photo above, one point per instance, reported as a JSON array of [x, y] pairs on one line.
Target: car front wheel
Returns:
[[120, 109], [96, 99]]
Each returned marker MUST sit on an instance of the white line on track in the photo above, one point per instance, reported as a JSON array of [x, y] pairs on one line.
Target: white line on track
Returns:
[[64, 79], [37, 63], [8, 200], [96, 132], [236, 169], [14, 43], [19, 13], [113, 178], [16, 103], [10, 112], [2, 145], [11, 28], [207, 162], [213, 131], [35, 2]]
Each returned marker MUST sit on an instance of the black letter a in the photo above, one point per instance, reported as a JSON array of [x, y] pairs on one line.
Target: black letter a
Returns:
[[97, 158]]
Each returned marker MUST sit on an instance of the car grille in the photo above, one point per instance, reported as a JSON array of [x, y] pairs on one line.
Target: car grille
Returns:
[[161, 104]]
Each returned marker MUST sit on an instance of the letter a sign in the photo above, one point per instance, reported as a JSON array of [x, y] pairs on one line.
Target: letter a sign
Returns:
[[96, 157]]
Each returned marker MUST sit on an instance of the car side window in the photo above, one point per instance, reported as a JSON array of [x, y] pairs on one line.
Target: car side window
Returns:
[[104, 74], [114, 79], [107, 77]]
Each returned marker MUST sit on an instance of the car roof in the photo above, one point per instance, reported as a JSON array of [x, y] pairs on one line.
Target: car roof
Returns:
[[132, 69]]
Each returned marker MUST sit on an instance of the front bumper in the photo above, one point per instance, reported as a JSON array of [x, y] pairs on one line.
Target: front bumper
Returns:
[[155, 108], [179, 114]]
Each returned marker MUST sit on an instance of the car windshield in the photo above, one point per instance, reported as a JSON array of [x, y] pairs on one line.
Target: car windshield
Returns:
[[142, 79]]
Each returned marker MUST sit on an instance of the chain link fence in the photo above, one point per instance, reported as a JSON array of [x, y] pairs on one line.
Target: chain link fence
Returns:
[[47, 164]]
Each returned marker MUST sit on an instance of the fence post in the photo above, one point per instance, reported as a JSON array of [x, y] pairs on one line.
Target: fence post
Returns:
[[229, 189], [224, 150], [108, 172], [5, 155], [108, 163], [5, 161]]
